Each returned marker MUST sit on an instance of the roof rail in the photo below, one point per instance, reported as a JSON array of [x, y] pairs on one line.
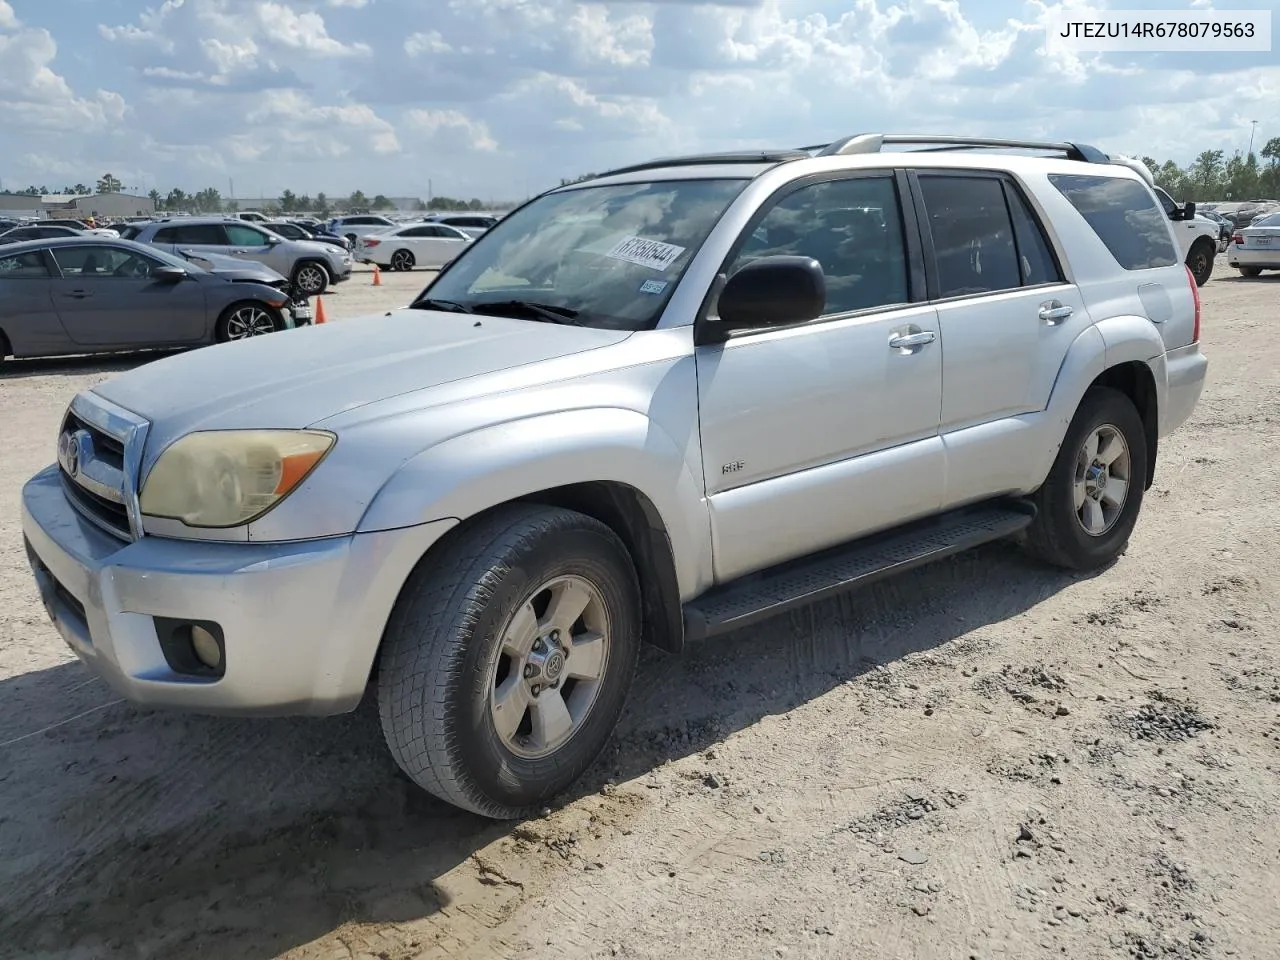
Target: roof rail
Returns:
[[875, 143], [709, 159]]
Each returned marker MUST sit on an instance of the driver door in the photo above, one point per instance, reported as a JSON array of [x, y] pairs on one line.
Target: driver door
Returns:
[[250, 243], [819, 433], [105, 297]]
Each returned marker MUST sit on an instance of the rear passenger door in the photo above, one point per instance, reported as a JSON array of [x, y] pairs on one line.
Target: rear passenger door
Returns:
[[197, 237], [1007, 316]]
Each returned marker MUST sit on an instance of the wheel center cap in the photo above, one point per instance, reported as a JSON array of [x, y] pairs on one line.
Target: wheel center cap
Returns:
[[553, 666]]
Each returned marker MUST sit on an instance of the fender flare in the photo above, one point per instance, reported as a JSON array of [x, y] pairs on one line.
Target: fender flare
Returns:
[[469, 473], [1101, 346]]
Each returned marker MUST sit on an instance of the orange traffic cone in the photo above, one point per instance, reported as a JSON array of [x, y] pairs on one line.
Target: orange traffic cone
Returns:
[[320, 317], [377, 276]]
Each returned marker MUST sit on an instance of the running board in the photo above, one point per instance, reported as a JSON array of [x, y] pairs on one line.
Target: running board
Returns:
[[809, 579]]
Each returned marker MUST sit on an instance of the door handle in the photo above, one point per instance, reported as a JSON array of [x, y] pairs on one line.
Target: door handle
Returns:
[[1054, 312], [78, 294], [905, 341]]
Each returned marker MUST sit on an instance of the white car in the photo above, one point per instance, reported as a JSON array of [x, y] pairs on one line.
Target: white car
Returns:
[[430, 245], [1256, 247]]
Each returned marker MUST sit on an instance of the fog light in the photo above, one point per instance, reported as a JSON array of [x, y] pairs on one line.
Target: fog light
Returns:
[[205, 645]]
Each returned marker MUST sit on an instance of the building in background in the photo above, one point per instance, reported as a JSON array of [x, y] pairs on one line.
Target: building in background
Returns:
[[99, 205]]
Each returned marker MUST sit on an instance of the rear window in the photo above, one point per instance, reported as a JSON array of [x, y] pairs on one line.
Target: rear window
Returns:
[[1124, 215]]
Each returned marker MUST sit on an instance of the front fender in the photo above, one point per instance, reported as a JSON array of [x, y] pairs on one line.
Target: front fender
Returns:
[[470, 473]]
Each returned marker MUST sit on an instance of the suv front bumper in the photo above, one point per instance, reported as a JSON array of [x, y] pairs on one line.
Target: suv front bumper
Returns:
[[300, 621]]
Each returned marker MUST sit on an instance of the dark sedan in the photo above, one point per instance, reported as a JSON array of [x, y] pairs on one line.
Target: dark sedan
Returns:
[[41, 232], [301, 230], [94, 295]]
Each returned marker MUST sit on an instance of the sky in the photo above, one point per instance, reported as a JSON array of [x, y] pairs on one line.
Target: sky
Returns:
[[500, 99]]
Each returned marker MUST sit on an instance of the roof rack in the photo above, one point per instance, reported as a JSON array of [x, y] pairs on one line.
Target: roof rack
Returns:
[[710, 159], [875, 143]]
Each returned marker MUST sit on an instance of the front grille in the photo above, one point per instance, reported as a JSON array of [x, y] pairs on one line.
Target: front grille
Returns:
[[112, 517], [97, 461]]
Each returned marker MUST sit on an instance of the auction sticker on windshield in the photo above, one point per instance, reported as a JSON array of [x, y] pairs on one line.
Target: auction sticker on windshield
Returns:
[[653, 254]]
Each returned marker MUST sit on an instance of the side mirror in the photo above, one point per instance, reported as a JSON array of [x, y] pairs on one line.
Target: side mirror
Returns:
[[273, 240], [1188, 211], [168, 274], [774, 291]]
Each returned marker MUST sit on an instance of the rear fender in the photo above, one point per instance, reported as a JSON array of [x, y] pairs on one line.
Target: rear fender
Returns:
[[1108, 343], [470, 473]]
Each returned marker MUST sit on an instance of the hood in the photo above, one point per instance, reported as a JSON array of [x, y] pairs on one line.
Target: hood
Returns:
[[233, 268], [298, 377]]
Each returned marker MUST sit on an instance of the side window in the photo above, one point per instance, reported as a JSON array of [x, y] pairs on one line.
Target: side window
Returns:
[[973, 245], [166, 235], [1034, 254], [202, 235], [852, 227], [242, 236], [24, 266], [101, 263], [1124, 215]]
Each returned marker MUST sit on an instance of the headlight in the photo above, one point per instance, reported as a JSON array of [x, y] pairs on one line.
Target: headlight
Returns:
[[225, 478]]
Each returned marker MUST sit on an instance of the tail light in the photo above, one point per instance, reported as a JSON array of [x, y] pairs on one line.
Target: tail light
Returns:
[[1195, 296], [370, 242], [1237, 238]]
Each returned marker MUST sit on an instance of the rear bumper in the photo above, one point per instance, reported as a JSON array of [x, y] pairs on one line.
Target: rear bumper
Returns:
[[1253, 258], [300, 621], [1185, 371]]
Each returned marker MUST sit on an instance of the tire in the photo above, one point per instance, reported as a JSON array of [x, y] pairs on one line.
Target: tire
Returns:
[[5, 349], [310, 278], [443, 657], [1250, 271], [1200, 260], [403, 260], [248, 318], [1058, 535]]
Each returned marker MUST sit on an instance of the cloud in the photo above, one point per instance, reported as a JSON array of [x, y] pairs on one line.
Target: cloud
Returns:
[[498, 97]]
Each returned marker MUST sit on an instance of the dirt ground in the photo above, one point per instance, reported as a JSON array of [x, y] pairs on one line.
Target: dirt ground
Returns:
[[981, 759]]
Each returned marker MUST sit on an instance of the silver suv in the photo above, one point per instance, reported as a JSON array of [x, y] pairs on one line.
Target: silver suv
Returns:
[[310, 266], [650, 407]]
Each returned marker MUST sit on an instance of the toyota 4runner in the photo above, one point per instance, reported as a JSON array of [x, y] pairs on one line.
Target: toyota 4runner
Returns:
[[653, 406]]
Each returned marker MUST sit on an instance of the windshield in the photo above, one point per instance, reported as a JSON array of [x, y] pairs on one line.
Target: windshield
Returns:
[[608, 255]]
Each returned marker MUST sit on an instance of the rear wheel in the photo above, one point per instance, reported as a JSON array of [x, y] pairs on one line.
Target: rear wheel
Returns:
[[1250, 271], [5, 349], [1089, 503], [1200, 260], [310, 279], [402, 260], [250, 319], [508, 657]]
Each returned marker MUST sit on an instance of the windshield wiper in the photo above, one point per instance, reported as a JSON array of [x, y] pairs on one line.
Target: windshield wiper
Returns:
[[542, 311], [429, 303]]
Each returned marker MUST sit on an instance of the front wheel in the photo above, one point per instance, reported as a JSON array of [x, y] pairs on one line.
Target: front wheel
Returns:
[[1200, 261], [1089, 503], [243, 320], [507, 659], [310, 279]]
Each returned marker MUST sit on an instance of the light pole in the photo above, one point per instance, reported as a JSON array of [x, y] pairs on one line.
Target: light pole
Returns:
[[1252, 130]]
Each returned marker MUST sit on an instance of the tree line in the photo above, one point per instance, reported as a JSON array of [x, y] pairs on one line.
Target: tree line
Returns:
[[1216, 177], [210, 200]]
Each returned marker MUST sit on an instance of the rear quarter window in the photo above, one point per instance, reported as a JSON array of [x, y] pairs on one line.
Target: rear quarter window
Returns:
[[1124, 216]]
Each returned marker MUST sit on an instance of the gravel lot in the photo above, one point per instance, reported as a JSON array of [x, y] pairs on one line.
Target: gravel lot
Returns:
[[981, 759]]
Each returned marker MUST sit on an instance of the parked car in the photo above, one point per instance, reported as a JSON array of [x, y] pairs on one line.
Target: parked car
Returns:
[[1199, 239], [296, 231], [93, 295], [250, 271], [1225, 226], [469, 224], [1256, 247], [252, 216], [350, 227], [30, 232], [309, 265], [652, 406], [430, 245]]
